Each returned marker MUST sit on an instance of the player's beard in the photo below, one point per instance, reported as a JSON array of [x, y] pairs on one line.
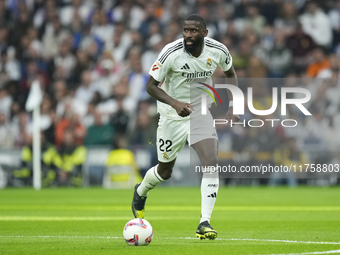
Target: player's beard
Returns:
[[193, 47]]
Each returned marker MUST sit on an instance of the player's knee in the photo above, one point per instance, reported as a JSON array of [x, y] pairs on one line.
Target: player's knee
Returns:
[[211, 160]]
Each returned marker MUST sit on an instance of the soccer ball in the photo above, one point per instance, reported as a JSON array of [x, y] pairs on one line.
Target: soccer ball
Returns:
[[138, 232]]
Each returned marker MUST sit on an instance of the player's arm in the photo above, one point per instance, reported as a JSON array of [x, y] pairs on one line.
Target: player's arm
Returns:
[[226, 64], [182, 109], [231, 79]]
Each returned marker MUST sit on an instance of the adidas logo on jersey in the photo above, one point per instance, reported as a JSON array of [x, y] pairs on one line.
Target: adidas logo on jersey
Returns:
[[212, 195], [186, 66]]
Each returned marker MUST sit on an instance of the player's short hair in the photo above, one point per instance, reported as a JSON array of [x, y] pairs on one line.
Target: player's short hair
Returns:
[[198, 18]]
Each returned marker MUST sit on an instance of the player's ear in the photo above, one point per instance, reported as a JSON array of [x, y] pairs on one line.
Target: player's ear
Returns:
[[205, 32]]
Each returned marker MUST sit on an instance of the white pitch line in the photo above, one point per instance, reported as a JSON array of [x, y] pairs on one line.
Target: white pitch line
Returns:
[[178, 238], [282, 241], [77, 218], [78, 237], [192, 238], [315, 252]]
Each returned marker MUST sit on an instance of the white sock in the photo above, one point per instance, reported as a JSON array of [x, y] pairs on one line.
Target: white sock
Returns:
[[150, 181], [209, 189]]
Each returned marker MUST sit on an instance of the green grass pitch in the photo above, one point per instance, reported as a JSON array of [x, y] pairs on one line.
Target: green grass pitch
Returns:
[[304, 220]]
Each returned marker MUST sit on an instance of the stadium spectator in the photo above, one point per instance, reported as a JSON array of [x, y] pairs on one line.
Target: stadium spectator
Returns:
[[223, 16], [333, 70], [53, 37], [256, 68], [129, 13], [316, 24], [106, 79], [144, 130], [3, 78], [99, 133], [278, 59], [148, 57], [110, 106], [50, 132], [122, 171], [330, 78], [120, 119], [20, 27], [23, 175], [10, 65], [76, 10], [32, 72], [240, 9], [124, 91], [262, 95], [33, 49], [253, 20], [241, 58], [45, 109], [44, 15], [90, 43], [154, 32], [262, 143], [5, 101], [270, 10], [320, 62], [120, 43], [204, 11], [72, 122], [79, 130], [32, 34], [174, 30], [136, 39], [67, 103], [65, 60], [301, 46], [133, 57], [287, 20], [87, 88], [334, 17], [101, 27], [88, 119], [83, 63], [3, 38], [137, 83], [15, 110], [6, 134], [286, 155], [5, 14], [149, 19], [313, 125], [69, 160], [21, 126]]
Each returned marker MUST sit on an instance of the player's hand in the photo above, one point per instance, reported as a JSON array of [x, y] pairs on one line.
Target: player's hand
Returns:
[[230, 116], [182, 109]]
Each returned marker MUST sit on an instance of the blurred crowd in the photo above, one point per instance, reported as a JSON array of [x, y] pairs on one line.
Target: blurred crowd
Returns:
[[92, 60]]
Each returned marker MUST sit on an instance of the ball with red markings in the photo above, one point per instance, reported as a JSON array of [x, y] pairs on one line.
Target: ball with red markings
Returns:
[[138, 232]]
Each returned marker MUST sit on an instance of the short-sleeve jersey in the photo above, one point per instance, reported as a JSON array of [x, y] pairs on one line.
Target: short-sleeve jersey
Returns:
[[185, 76]]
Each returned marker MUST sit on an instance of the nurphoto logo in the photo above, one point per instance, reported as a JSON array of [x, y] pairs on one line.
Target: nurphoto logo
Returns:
[[238, 104]]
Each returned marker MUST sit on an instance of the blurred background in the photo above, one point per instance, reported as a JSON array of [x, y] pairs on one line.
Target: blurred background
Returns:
[[98, 123]]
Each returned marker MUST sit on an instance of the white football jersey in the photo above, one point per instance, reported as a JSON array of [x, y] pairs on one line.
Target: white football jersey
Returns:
[[185, 76]]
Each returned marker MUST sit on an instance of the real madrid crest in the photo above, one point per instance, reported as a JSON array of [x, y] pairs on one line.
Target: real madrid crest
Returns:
[[165, 156], [209, 62]]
